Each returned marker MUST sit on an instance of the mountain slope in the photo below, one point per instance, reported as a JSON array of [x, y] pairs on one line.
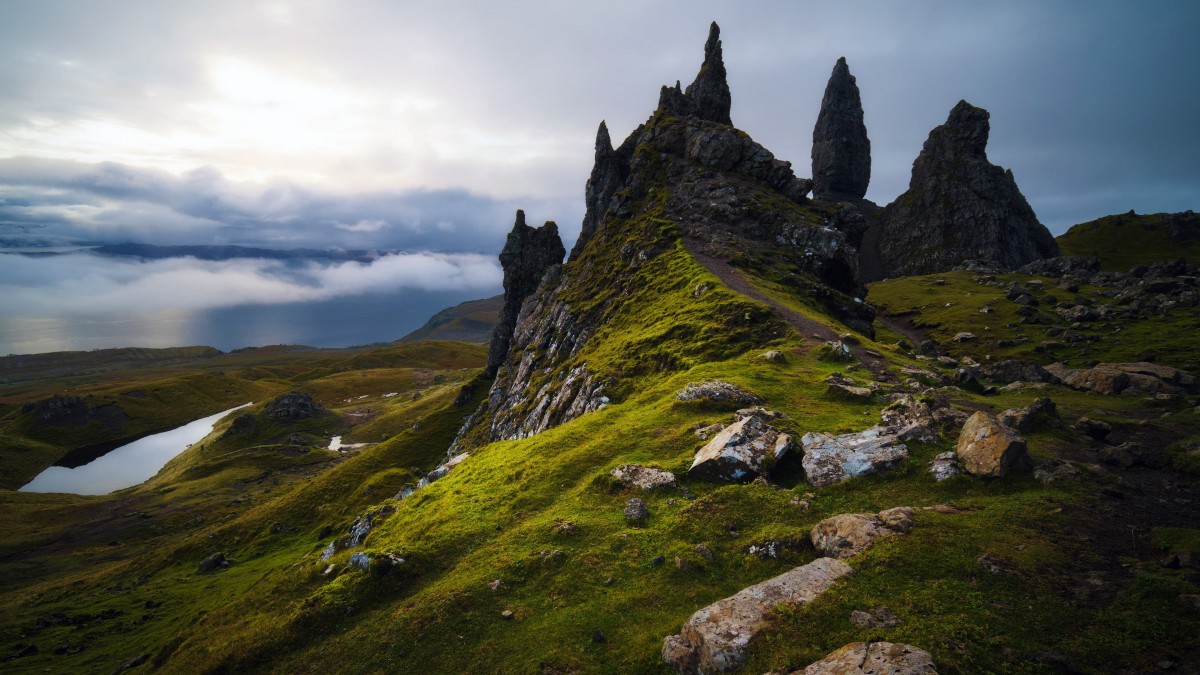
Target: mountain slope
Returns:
[[470, 321], [1124, 240]]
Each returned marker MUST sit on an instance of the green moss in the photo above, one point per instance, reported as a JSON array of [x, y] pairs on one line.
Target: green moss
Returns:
[[1122, 241]]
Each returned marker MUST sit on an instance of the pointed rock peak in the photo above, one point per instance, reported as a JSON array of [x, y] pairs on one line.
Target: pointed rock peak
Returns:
[[841, 151], [550, 228], [966, 129], [526, 256], [709, 92], [520, 220], [603, 142]]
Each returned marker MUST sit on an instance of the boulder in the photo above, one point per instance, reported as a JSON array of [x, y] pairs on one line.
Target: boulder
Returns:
[[1116, 378], [848, 392], [945, 465], [743, 451], [295, 405], [1041, 413], [849, 534], [716, 391], [714, 639], [990, 449], [835, 351], [831, 459], [636, 510], [1015, 370], [643, 477], [213, 562], [874, 658]]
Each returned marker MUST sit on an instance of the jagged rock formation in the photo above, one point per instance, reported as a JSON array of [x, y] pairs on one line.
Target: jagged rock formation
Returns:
[[527, 254], [841, 151], [959, 206], [608, 174], [685, 174], [295, 405]]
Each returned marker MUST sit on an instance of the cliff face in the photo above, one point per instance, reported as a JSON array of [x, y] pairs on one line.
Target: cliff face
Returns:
[[959, 206], [841, 151]]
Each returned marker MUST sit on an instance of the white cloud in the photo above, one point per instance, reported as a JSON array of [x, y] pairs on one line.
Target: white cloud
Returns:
[[84, 284]]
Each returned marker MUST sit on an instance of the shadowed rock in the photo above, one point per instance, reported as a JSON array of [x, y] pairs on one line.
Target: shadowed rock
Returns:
[[872, 658], [295, 405], [958, 207], [608, 175], [841, 151], [709, 92], [527, 254]]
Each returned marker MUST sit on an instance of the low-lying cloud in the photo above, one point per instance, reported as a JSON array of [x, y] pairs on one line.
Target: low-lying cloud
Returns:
[[86, 284]]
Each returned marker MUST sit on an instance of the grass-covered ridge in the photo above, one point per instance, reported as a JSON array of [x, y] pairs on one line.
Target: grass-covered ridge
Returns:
[[1124, 240]]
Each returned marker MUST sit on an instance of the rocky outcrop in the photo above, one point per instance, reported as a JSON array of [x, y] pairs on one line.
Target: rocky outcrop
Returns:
[[1132, 378], [715, 638], [874, 658], [849, 534], [832, 459], [527, 254], [990, 449], [608, 175], [295, 405], [741, 452], [958, 207], [717, 391], [841, 151]]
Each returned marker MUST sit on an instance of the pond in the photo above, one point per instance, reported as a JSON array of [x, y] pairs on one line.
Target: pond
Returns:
[[127, 465]]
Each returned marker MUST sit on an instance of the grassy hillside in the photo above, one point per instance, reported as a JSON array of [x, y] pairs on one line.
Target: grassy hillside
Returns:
[[1122, 241], [471, 321]]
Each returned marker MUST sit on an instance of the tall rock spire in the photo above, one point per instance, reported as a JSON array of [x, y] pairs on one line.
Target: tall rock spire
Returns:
[[527, 254], [959, 206], [841, 151], [607, 177], [709, 92]]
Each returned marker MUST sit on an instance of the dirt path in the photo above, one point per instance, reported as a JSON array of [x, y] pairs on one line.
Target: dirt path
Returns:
[[903, 325], [808, 328]]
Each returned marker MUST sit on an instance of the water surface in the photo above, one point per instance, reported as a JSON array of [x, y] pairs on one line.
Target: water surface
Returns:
[[127, 465]]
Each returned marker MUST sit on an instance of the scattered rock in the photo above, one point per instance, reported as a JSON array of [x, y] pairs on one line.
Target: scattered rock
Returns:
[[704, 552], [1039, 414], [848, 392], [945, 465], [990, 449], [874, 658], [361, 560], [742, 451], [835, 351], [643, 477], [1116, 378], [213, 562], [1094, 428], [994, 565], [1055, 470], [963, 336], [636, 510], [507, 614], [1014, 370], [774, 356], [703, 433], [849, 534], [714, 639], [880, 617], [717, 391], [831, 459]]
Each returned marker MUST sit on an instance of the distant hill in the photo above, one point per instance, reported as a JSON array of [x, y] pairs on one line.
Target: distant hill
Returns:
[[470, 321], [1128, 239], [209, 252]]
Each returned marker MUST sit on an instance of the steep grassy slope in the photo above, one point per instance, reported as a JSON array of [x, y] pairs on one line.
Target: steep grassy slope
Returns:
[[1128, 239]]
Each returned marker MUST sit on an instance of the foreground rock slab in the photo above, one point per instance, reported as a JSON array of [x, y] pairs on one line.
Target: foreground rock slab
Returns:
[[990, 449], [874, 658], [832, 459], [714, 639], [643, 477]]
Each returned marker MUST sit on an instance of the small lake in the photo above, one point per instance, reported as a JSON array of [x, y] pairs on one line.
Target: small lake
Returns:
[[127, 465]]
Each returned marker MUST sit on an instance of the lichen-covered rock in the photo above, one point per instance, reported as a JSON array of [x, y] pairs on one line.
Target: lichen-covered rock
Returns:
[[831, 459], [874, 658], [990, 449], [1041, 413], [835, 350], [849, 534], [945, 465], [714, 639], [848, 392], [636, 510], [643, 477], [958, 207], [526, 256], [1016, 370], [841, 151], [716, 391], [743, 451]]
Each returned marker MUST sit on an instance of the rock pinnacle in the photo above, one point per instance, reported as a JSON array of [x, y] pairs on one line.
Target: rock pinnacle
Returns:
[[841, 151], [709, 92], [607, 177], [527, 254]]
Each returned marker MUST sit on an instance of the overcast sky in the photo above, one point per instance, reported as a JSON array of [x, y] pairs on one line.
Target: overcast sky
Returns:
[[424, 124], [421, 126]]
